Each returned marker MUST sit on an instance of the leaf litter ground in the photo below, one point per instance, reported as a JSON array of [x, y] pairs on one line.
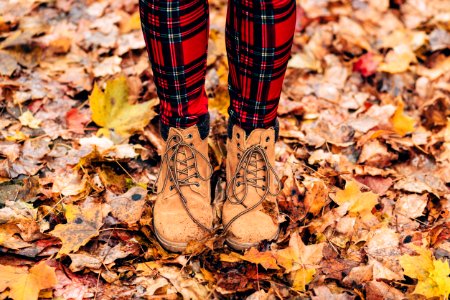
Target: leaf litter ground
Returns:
[[364, 155]]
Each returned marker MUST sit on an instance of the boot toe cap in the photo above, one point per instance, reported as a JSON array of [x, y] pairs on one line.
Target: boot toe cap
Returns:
[[252, 228]]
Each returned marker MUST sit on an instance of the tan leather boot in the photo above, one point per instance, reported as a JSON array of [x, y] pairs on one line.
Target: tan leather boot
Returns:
[[183, 211], [250, 213]]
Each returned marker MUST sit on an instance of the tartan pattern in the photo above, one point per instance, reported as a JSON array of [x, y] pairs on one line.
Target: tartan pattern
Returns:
[[259, 37]]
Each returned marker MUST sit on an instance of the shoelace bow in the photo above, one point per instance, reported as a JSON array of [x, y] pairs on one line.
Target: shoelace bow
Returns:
[[175, 145], [248, 164]]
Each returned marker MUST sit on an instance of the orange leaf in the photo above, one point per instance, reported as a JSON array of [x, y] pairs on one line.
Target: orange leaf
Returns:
[[25, 284]]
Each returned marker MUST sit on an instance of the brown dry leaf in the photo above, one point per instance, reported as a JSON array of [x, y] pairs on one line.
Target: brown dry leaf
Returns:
[[25, 284], [83, 223], [128, 207], [316, 194]]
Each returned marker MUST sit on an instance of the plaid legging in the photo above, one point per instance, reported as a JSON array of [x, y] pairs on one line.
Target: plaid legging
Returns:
[[259, 37]]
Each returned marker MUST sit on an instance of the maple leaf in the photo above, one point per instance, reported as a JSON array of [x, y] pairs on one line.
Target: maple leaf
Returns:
[[366, 65], [298, 255], [359, 203], [265, 259], [27, 119], [398, 60], [127, 207], [300, 260], [402, 123], [83, 223], [76, 121], [301, 278], [111, 110], [25, 284], [432, 275]]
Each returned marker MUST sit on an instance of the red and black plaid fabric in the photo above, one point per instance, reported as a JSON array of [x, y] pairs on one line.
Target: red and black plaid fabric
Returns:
[[259, 37]]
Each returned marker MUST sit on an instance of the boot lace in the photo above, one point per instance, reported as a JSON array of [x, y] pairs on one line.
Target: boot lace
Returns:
[[248, 174], [177, 171]]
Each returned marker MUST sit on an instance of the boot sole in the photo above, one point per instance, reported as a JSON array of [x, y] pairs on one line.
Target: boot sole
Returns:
[[244, 246], [169, 245]]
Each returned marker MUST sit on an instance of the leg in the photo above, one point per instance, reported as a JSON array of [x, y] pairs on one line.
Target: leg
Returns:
[[259, 37], [176, 35]]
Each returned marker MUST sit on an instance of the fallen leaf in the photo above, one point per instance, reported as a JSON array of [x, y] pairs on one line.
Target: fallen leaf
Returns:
[[358, 203], [83, 223], [25, 284], [397, 60], [402, 123], [367, 65], [76, 121], [27, 119], [432, 275], [111, 110], [301, 278], [265, 259], [128, 207]]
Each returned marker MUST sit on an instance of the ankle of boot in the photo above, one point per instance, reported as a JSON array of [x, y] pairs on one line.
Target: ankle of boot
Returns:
[[202, 124], [232, 122]]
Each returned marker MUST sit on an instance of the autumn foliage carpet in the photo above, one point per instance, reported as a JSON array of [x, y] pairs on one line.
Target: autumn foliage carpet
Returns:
[[364, 155]]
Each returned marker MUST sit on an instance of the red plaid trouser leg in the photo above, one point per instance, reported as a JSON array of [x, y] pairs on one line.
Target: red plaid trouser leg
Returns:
[[258, 38]]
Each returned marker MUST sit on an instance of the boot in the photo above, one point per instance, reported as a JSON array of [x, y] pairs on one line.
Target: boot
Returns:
[[183, 211], [250, 213]]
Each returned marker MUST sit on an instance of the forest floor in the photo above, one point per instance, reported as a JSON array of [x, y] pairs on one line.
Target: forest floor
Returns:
[[364, 156]]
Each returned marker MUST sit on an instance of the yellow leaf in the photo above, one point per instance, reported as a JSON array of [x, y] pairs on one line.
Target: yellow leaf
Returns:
[[398, 60], [25, 284], [132, 23], [402, 123], [301, 278], [148, 268], [231, 258], [358, 203], [27, 119], [298, 255], [286, 258], [432, 275], [441, 274], [83, 223], [265, 259], [111, 110]]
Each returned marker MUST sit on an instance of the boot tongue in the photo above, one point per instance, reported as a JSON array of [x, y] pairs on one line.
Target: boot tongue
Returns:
[[259, 136]]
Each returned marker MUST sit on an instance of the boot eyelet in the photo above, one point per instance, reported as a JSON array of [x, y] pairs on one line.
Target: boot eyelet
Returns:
[[171, 188], [264, 178], [189, 136], [263, 188], [265, 148], [238, 144], [238, 184], [192, 144], [196, 175], [267, 139], [264, 168], [238, 135], [197, 184], [238, 176]]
